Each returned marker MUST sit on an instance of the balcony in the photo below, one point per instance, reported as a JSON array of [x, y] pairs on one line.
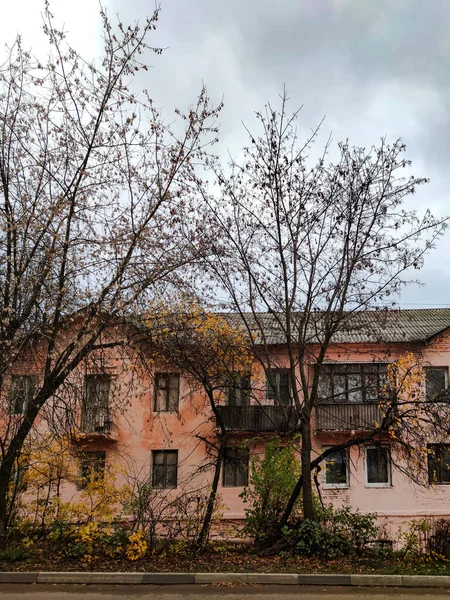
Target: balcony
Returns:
[[97, 425], [258, 418], [347, 416]]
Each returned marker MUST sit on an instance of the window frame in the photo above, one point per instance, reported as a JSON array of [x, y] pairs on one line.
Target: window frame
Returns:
[[167, 375], [273, 392], [342, 369], [13, 405], [241, 387], [93, 413], [443, 369], [96, 457], [377, 484], [165, 452], [227, 462], [341, 486], [436, 459]]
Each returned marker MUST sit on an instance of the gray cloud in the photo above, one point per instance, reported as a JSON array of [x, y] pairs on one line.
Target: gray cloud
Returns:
[[373, 67]]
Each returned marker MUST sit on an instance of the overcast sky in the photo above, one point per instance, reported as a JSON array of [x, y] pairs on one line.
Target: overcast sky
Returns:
[[372, 67]]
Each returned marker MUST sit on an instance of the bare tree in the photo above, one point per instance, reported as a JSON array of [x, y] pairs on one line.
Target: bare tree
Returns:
[[94, 193], [213, 355], [303, 248]]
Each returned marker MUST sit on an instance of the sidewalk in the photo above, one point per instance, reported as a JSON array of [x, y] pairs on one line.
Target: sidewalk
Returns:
[[407, 581]]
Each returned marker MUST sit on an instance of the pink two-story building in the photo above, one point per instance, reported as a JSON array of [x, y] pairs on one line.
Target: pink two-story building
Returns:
[[157, 424]]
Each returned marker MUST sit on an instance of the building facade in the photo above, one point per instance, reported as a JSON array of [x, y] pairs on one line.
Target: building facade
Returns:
[[156, 424]]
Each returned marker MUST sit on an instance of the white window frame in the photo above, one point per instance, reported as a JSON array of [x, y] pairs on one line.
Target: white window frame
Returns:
[[366, 470], [336, 486]]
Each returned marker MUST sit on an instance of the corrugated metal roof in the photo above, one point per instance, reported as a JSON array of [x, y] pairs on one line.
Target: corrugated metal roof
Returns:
[[394, 326]]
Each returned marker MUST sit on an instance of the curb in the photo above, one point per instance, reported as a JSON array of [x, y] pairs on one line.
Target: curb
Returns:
[[86, 577]]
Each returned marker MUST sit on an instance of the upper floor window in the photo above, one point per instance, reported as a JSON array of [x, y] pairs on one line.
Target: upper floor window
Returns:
[[238, 392], [92, 468], [235, 467], [95, 415], [277, 386], [436, 381], [167, 392], [378, 466], [439, 464], [336, 469], [21, 393], [165, 469], [356, 383]]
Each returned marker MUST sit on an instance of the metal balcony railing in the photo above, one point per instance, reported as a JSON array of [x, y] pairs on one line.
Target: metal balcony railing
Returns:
[[258, 418], [96, 420], [347, 416]]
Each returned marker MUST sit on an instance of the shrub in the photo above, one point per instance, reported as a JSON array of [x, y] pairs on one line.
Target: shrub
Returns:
[[438, 542], [15, 554], [271, 482], [336, 533], [136, 547], [414, 538]]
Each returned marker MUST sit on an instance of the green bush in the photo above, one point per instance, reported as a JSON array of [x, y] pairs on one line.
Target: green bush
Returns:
[[336, 533], [272, 480], [15, 554]]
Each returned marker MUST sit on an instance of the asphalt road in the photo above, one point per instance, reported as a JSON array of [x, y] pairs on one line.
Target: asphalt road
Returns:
[[207, 592]]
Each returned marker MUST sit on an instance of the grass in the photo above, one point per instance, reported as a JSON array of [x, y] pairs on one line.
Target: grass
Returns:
[[219, 557]]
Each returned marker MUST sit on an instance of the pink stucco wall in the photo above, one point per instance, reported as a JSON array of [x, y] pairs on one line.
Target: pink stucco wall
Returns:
[[138, 430]]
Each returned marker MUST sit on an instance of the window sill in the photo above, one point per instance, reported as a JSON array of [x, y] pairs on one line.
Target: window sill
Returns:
[[335, 486], [379, 485], [234, 487]]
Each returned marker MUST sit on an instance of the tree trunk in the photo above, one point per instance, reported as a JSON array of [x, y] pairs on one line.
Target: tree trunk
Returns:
[[5, 476], [304, 482], [308, 505], [203, 536]]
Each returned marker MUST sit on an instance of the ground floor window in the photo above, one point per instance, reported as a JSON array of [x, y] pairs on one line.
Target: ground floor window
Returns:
[[235, 467], [378, 466], [336, 469], [92, 467], [165, 469]]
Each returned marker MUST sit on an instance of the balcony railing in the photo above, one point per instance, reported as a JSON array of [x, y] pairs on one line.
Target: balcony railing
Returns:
[[258, 418], [96, 420], [347, 416]]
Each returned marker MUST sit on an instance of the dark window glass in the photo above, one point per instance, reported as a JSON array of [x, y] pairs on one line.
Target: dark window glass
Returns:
[[336, 468], [95, 415], [439, 464], [92, 467], [21, 393], [235, 467], [435, 382], [378, 465], [167, 392], [238, 392], [165, 469], [353, 383], [277, 386]]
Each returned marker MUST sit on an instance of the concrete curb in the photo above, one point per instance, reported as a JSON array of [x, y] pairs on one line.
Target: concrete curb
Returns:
[[87, 577]]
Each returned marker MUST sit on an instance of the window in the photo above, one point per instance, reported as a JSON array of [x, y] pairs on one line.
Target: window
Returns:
[[165, 469], [235, 467], [336, 469], [95, 415], [355, 383], [378, 466], [277, 386], [436, 381], [167, 392], [439, 464], [92, 468], [238, 392], [21, 393]]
